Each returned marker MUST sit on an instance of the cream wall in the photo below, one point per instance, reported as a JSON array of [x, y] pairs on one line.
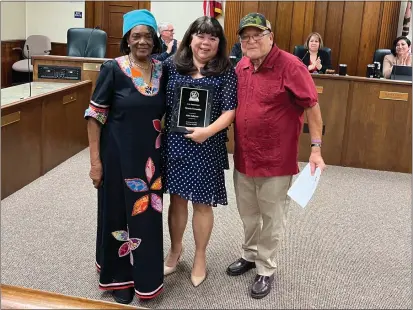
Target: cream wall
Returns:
[[53, 18], [21, 19], [13, 20], [179, 13]]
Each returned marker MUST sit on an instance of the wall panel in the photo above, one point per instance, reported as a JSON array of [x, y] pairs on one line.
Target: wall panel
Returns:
[[352, 29]]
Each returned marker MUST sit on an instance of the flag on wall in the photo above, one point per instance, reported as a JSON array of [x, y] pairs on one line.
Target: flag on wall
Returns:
[[406, 19], [212, 8]]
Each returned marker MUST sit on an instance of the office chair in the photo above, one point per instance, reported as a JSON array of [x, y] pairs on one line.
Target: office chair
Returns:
[[86, 42], [23, 69], [379, 56], [300, 50]]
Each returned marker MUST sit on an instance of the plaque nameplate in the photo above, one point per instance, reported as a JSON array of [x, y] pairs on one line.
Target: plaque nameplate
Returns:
[[192, 107], [10, 119], [319, 89], [390, 95], [69, 98], [91, 66]]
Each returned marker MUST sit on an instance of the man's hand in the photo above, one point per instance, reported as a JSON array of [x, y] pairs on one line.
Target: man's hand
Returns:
[[198, 134], [170, 46], [316, 161]]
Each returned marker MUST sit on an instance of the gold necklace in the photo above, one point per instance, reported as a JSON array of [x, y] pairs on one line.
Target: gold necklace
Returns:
[[138, 65]]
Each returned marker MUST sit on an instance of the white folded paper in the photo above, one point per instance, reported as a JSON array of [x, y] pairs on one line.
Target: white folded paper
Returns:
[[304, 186]]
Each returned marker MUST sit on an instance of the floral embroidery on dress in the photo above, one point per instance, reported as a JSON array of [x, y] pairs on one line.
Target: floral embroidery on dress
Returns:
[[139, 185], [157, 125], [128, 246], [136, 76], [97, 113]]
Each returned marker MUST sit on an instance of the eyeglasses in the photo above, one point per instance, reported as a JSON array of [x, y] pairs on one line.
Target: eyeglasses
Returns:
[[255, 37], [171, 30]]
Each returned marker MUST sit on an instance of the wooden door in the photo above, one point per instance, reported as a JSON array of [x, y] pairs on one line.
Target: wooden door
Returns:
[[108, 16]]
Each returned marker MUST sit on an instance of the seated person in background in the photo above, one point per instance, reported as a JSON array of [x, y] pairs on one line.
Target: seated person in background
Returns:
[[236, 51], [316, 59], [400, 56]]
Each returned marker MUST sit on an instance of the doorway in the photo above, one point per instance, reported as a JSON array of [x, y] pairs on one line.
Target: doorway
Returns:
[[108, 16]]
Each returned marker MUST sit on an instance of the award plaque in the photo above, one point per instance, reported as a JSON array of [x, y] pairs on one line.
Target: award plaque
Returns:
[[192, 107]]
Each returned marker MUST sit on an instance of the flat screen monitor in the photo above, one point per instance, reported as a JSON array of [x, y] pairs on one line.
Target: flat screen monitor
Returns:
[[401, 73]]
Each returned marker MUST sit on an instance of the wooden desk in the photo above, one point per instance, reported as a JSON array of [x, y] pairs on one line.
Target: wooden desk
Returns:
[[40, 132], [368, 123], [14, 297], [90, 67]]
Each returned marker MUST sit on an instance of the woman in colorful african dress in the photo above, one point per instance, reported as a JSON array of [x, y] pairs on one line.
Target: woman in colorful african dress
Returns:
[[124, 124]]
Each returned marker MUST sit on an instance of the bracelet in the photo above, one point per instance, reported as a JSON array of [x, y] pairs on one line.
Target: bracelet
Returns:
[[316, 144]]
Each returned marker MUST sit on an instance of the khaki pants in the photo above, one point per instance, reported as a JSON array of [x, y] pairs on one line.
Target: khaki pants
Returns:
[[262, 204]]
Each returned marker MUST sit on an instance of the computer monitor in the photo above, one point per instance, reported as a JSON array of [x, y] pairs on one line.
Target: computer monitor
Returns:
[[401, 73]]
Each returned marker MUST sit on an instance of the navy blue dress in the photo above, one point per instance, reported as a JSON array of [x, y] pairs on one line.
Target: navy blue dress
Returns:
[[195, 171], [129, 245]]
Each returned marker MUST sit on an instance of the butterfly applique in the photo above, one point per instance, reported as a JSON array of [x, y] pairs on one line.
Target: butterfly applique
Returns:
[[158, 126], [139, 185], [129, 245]]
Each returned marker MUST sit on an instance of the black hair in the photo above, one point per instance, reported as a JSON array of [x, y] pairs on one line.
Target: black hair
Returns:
[[406, 39], [157, 47], [183, 59]]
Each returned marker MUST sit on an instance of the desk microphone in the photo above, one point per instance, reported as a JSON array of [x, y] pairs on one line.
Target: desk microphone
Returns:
[[88, 41], [28, 67], [304, 55]]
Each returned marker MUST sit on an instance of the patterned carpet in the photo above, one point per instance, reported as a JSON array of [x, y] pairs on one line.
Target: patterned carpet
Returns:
[[349, 249]]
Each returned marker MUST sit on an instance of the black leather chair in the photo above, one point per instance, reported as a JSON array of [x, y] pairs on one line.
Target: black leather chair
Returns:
[[379, 56], [86, 42], [300, 50]]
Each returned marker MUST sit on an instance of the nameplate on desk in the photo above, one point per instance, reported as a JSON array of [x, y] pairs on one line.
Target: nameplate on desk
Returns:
[[91, 66], [10, 119], [319, 89], [390, 95]]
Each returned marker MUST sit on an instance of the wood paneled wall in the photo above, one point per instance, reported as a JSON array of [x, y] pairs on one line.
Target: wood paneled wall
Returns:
[[352, 29], [59, 49], [9, 57]]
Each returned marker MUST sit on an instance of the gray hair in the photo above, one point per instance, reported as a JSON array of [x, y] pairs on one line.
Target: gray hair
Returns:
[[163, 26]]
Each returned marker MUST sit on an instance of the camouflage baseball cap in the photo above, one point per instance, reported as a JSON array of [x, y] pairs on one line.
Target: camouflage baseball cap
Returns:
[[254, 20]]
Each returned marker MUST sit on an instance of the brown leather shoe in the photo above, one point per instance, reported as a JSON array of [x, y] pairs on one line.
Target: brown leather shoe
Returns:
[[239, 267], [261, 286]]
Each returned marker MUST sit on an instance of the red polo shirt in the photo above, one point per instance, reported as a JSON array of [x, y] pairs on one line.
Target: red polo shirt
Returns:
[[269, 115]]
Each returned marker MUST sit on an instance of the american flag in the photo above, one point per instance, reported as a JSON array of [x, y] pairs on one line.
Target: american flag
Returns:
[[406, 20], [213, 8]]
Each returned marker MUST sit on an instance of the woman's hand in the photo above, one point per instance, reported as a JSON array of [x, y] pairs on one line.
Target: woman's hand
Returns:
[[96, 173], [318, 64], [311, 67], [198, 134]]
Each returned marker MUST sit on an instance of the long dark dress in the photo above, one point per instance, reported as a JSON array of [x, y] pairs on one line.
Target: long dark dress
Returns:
[[129, 247]]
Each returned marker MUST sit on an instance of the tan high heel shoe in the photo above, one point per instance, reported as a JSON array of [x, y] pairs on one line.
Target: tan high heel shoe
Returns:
[[168, 270], [196, 281]]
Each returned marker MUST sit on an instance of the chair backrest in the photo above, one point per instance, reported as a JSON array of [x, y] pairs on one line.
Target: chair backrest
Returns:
[[300, 50], [38, 45], [86, 42], [379, 56]]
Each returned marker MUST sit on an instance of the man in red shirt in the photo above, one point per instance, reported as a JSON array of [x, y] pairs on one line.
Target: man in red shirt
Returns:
[[274, 90]]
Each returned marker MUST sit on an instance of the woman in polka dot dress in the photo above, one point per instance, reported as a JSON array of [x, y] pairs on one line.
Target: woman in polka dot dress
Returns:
[[194, 163]]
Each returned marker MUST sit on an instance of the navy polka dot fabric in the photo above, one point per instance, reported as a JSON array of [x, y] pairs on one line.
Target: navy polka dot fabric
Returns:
[[195, 171]]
